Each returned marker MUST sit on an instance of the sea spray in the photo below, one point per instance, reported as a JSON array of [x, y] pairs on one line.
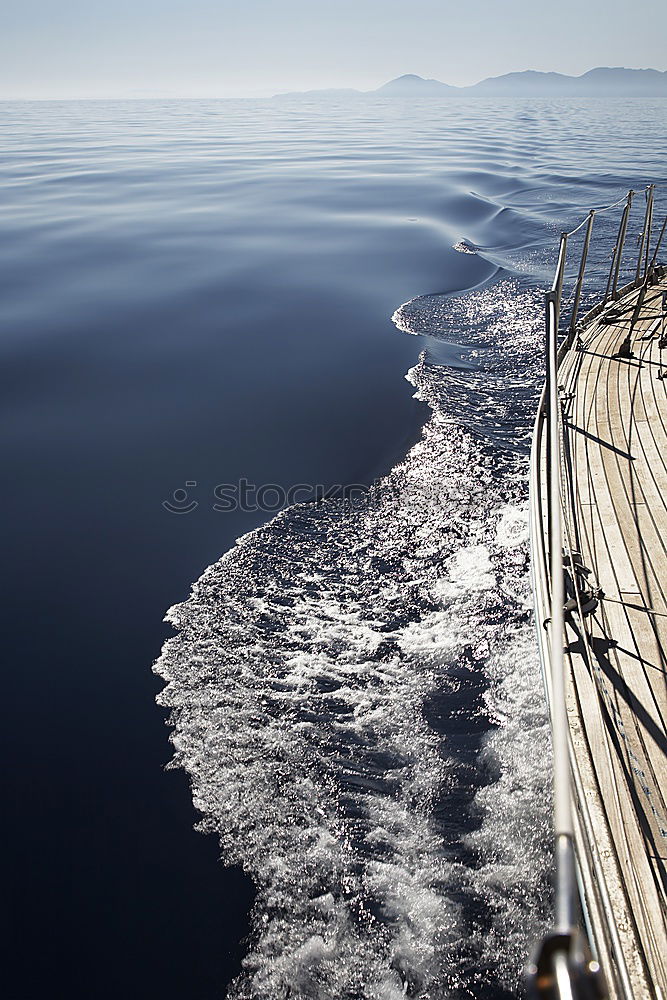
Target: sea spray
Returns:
[[305, 674]]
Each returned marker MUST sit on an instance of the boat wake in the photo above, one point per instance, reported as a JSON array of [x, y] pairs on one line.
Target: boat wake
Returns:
[[355, 697]]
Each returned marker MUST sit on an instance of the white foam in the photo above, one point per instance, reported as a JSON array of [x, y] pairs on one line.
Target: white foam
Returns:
[[513, 840], [300, 681], [512, 528], [464, 247], [470, 571]]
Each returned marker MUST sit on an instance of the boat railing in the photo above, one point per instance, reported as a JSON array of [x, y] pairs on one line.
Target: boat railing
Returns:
[[563, 965]]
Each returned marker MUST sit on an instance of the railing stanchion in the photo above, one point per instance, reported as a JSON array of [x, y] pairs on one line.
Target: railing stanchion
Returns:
[[582, 271], [646, 234], [611, 274], [621, 240], [560, 275]]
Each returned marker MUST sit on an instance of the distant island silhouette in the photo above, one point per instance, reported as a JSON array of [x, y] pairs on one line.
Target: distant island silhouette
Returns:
[[603, 81]]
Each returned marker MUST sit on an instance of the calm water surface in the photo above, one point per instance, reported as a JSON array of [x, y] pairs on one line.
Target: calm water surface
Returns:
[[200, 293]]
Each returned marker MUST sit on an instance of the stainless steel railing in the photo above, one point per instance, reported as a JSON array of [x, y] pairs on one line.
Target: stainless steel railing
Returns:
[[643, 268], [563, 966]]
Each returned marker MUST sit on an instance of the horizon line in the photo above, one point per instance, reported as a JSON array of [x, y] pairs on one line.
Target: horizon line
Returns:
[[158, 95]]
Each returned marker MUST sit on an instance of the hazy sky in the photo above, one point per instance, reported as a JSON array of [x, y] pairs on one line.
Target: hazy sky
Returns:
[[216, 48]]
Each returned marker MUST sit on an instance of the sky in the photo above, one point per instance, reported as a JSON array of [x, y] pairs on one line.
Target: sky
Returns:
[[51, 49]]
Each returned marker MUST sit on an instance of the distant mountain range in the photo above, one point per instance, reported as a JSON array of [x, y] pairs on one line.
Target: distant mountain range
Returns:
[[600, 82]]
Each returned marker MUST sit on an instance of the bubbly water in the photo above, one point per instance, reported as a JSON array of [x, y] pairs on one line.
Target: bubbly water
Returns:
[[356, 698], [353, 686]]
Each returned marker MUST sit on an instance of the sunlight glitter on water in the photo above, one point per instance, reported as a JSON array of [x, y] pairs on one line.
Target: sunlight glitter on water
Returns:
[[299, 679]]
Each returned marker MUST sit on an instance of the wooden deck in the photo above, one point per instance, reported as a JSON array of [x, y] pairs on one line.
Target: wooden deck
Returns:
[[614, 476]]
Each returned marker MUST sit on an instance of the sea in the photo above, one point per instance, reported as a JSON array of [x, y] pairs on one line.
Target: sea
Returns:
[[269, 369]]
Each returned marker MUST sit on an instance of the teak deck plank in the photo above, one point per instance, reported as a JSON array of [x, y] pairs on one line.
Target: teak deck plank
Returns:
[[615, 482]]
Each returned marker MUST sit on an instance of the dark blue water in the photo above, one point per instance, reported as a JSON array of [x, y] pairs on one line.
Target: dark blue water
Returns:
[[202, 293]]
